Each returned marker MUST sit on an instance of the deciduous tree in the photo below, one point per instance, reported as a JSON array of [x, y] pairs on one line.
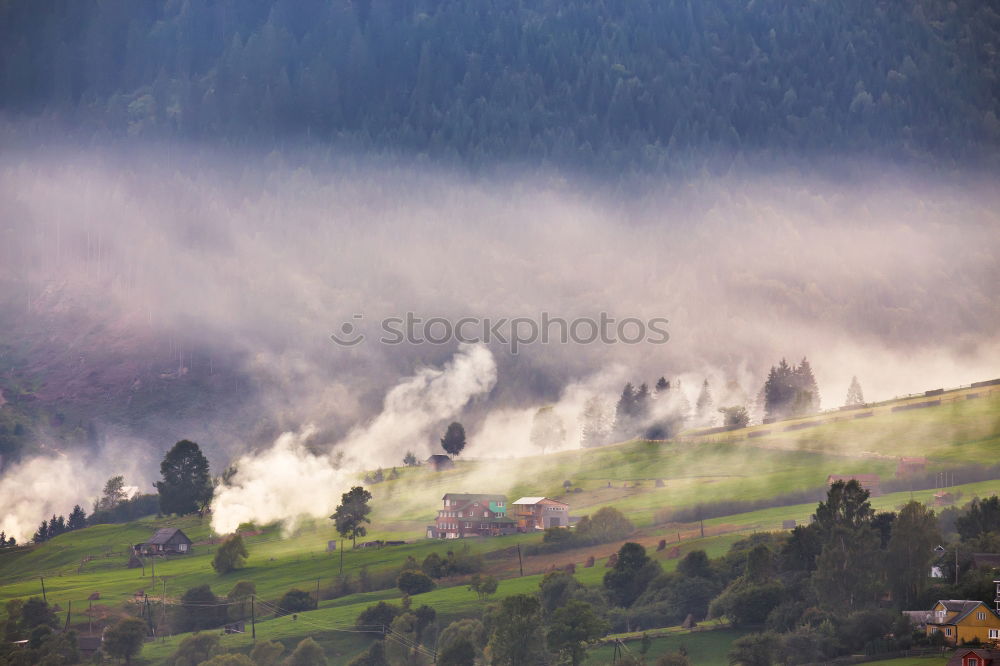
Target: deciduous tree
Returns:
[[124, 639], [231, 555], [352, 514], [454, 439]]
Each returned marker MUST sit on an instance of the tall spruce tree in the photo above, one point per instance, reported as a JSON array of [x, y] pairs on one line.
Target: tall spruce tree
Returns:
[[855, 397], [187, 482], [806, 399], [77, 518], [597, 424], [847, 570], [705, 405], [42, 533]]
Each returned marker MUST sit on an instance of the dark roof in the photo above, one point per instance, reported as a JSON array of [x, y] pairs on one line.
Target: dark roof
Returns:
[[962, 607], [991, 560], [166, 535], [438, 457], [473, 497], [959, 655]]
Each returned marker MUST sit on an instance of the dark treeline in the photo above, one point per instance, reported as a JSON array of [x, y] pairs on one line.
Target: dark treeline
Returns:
[[614, 82]]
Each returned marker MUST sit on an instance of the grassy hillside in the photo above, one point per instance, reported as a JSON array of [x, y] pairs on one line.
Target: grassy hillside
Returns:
[[698, 469], [710, 468]]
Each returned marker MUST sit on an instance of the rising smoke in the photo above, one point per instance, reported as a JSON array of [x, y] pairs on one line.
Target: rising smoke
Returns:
[[247, 266], [288, 481]]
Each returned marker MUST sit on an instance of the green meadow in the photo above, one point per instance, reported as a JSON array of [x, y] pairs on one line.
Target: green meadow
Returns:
[[695, 469]]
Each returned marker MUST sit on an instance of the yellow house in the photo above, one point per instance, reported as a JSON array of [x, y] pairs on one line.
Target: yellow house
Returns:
[[962, 621]]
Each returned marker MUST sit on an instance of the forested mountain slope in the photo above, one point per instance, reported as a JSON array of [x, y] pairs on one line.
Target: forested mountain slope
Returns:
[[644, 83]]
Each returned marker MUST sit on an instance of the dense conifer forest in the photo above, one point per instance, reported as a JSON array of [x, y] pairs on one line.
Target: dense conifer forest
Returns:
[[636, 83]]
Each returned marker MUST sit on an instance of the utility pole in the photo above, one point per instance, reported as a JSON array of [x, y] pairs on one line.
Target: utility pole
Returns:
[[90, 618], [956, 564], [253, 620], [44, 598], [152, 562], [703, 528], [69, 612], [149, 614], [520, 563], [163, 603], [317, 593]]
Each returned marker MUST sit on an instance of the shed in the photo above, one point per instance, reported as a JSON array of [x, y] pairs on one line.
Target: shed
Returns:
[[167, 540], [974, 657], [440, 462]]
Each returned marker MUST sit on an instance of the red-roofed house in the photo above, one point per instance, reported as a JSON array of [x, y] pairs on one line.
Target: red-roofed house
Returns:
[[471, 514]]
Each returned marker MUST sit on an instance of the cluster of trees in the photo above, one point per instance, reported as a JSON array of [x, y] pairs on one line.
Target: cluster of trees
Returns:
[[637, 84], [557, 621], [657, 414], [790, 391], [49, 529], [454, 563], [412, 633], [34, 620], [379, 475], [205, 649]]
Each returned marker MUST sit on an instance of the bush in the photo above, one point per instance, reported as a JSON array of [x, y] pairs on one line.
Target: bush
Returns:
[[605, 526], [231, 555], [296, 601], [747, 603], [307, 653], [195, 649], [229, 659], [433, 566], [124, 640], [267, 653], [379, 615], [199, 609], [414, 582]]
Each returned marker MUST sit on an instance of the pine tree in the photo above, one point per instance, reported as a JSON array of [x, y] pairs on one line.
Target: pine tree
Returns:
[[596, 423], [77, 519], [854, 395], [187, 483], [806, 399], [641, 410], [705, 405], [42, 533], [662, 386], [626, 406], [57, 525]]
